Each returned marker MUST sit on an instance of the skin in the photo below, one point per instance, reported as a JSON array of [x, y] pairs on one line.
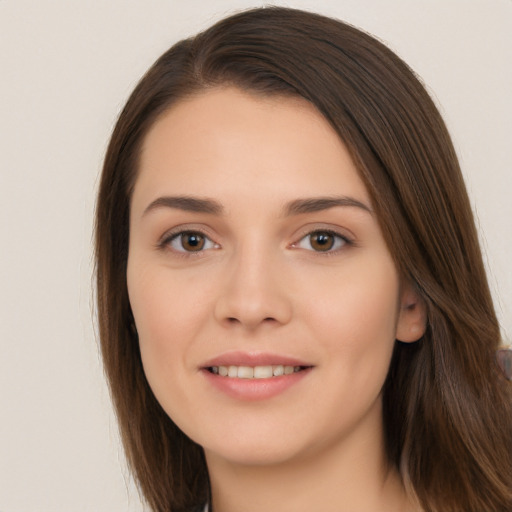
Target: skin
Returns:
[[260, 285]]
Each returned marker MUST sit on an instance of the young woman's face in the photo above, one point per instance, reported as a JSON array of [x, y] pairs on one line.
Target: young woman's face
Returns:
[[254, 252]]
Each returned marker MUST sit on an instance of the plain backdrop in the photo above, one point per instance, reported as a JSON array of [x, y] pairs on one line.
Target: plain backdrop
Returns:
[[66, 68]]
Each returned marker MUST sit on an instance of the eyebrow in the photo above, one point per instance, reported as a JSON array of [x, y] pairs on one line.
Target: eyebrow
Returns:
[[295, 207], [186, 203], [317, 204]]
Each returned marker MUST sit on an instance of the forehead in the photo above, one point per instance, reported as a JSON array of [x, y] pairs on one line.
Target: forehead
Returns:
[[228, 142]]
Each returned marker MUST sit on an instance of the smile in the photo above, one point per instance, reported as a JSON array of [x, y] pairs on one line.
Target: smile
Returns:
[[253, 376], [254, 372]]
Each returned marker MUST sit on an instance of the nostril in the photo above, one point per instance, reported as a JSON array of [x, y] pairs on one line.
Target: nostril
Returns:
[[234, 320]]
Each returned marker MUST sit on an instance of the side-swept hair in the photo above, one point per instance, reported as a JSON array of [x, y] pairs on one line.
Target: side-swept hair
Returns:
[[447, 410]]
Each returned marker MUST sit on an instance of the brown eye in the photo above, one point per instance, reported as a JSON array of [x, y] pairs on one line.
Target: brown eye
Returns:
[[322, 241], [190, 241]]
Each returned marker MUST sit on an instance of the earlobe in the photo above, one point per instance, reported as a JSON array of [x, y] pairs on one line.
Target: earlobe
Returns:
[[412, 316]]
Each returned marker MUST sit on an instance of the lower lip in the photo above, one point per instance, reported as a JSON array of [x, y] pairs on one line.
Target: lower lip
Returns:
[[254, 389]]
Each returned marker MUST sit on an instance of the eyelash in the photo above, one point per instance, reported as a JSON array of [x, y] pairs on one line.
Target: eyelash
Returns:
[[339, 238], [166, 241]]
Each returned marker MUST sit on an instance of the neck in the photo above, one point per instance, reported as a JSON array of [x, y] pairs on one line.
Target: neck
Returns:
[[353, 476]]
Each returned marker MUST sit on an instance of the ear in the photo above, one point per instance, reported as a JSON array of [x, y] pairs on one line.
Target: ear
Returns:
[[412, 315]]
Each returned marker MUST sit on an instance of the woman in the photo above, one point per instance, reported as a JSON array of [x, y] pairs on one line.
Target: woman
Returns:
[[292, 302]]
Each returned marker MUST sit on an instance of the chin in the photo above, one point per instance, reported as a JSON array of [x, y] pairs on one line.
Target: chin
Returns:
[[257, 447], [257, 454]]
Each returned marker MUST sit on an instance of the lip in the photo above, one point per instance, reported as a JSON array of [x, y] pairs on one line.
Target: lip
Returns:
[[254, 389], [239, 358]]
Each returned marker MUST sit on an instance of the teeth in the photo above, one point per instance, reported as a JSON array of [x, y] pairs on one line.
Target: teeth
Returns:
[[263, 372], [245, 372], [278, 370], [254, 372]]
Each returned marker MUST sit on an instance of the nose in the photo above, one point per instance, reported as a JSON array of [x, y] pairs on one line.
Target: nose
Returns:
[[254, 292]]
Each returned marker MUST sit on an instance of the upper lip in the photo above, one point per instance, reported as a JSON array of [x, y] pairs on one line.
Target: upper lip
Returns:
[[239, 358]]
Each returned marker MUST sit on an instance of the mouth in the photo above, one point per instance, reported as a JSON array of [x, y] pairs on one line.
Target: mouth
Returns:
[[255, 372], [254, 376]]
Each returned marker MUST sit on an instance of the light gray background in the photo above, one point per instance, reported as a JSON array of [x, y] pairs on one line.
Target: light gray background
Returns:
[[66, 68]]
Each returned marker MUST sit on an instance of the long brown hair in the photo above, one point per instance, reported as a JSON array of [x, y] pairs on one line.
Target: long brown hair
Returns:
[[447, 410]]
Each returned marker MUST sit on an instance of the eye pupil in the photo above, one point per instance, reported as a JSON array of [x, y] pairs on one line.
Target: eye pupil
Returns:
[[322, 241], [192, 241]]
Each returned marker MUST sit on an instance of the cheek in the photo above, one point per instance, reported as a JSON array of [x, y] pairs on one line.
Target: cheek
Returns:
[[169, 312], [357, 321], [164, 326], [361, 298]]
